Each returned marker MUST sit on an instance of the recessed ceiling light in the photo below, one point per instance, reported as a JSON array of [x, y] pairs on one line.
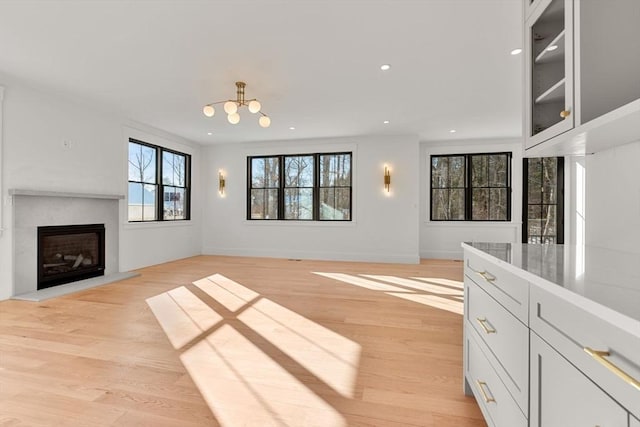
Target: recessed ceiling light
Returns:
[[385, 67], [452, 131], [386, 122], [552, 47], [292, 128], [209, 133], [517, 51]]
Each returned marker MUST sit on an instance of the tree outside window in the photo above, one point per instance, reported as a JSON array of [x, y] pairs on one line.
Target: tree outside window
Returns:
[[159, 182], [306, 187], [471, 187], [543, 200]]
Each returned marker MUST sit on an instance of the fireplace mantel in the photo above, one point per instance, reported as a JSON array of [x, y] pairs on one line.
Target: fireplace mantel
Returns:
[[44, 193], [41, 208]]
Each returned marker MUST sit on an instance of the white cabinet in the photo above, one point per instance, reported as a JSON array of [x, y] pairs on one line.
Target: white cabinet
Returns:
[[608, 355], [562, 396], [582, 75], [538, 352], [530, 6], [505, 337], [506, 288], [549, 65], [495, 401], [496, 341]]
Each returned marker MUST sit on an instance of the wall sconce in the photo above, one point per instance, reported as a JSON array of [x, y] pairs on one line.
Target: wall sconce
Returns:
[[387, 179], [221, 183]]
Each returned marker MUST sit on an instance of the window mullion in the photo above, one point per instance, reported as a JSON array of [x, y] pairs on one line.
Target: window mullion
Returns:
[[467, 189], [159, 186], [316, 188], [249, 186], [281, 187]]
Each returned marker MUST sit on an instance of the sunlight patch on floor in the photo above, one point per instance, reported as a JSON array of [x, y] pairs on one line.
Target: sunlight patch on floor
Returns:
[[359, 281], [329, 356], [439, 281], [241, 380], [227, 292], [415, 284], [182, 315], [245, 387], [442, 294]]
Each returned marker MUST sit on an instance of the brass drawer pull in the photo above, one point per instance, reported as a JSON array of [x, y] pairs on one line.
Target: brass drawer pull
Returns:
[[600, 357], [481, 386], [483, 322], [482, 274], [489, 279]]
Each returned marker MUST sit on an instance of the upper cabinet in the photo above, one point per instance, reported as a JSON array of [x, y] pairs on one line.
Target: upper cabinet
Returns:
[[582, 75], [549, 60], [530, 7]]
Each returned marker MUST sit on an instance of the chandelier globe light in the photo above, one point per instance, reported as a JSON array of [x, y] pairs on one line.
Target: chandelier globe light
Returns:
[[208, 110], [232, 107]]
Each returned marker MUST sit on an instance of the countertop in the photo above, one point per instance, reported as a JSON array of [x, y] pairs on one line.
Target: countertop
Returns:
[[607, 277]]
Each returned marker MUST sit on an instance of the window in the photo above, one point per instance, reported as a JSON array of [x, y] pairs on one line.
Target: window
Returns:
[[298, 187], [306, 187], [153, 171], [543, 200], [471, 187]]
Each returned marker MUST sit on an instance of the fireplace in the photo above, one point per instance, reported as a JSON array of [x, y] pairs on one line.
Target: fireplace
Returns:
[[70, 253]]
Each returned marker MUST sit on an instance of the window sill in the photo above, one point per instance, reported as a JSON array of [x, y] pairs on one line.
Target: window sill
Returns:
[[469, 224], [294, 223], [157, 224]]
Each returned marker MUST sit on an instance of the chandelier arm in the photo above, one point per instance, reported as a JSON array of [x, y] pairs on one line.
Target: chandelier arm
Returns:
[[220, 102], [245, 103]]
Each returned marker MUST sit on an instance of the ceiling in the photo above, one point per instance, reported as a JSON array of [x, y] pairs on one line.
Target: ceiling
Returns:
[[313, 64]]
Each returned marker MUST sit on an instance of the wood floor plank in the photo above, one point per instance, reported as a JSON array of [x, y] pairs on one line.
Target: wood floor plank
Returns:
[[218, 340]]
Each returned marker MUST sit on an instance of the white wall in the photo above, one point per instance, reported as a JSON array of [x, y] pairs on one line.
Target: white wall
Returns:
[[384, 228], [57, 144], [1, 151], [153, 243], [440, 239], [575, 205], [613, 198]]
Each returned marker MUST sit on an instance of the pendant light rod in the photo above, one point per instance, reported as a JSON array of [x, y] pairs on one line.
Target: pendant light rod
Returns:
[[240, 92]]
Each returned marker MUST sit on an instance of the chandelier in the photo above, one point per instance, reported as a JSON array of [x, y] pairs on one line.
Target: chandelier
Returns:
[[232, 106]]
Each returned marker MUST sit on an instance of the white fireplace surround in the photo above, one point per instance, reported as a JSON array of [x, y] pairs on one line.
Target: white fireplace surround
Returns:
[[32, 209]]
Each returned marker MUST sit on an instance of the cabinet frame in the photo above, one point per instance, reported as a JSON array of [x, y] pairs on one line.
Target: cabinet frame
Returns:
[[567, 39]]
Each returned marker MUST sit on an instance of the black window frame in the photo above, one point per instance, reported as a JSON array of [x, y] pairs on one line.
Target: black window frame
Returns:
[[282, 186], [468, 187], [559, 237], [160, 186]]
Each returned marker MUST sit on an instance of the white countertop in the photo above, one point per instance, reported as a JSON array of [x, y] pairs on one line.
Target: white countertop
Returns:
[[607, 277]]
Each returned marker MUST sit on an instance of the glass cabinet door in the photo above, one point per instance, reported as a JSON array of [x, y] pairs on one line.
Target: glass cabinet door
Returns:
[[549, 71]]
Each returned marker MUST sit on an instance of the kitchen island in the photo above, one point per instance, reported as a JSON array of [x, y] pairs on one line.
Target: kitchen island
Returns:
[[552, 334]]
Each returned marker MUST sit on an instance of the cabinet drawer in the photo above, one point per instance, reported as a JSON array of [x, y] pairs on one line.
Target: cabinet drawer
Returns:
[[495, 401], [571, 330], [506, 338], [511, 291], [562, 396]]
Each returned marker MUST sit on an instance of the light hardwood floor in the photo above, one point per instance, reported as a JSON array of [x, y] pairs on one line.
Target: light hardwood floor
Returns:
[[233, 341]]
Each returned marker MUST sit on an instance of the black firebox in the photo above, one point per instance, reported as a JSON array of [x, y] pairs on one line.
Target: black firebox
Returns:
[[69, 253]]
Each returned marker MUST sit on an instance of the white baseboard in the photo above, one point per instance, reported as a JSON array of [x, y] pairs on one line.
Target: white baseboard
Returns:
[[457, 254], [314, 255]]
